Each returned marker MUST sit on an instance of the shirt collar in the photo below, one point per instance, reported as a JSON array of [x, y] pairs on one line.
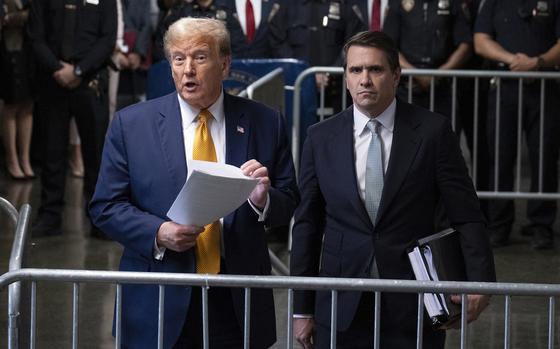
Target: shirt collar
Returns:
[[189, 113], [386, 118]]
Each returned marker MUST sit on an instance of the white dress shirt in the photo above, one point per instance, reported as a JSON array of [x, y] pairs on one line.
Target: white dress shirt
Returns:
[[384, 4], [240, 8], [362, 137], [189, 122]]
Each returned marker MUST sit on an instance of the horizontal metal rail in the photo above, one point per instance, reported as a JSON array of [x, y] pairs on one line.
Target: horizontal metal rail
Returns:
[[250, 89], [454, 74], [292, 282]]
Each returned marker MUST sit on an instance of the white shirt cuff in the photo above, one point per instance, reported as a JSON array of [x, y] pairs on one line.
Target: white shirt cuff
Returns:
[[262, 214], [303, 316], [159, 252]]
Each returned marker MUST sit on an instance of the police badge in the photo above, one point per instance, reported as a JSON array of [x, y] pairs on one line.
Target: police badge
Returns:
[[443, 7], [407, 5], [334, 10], [221, 15], [541, 9]]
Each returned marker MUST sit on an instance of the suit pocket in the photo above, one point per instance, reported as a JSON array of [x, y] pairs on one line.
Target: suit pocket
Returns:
[[330, 256]]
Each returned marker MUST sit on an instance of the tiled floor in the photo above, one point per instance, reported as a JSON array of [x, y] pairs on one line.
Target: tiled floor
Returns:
[[75, 250]]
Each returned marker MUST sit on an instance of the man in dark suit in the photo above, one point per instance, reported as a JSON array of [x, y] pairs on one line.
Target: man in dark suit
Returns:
[[143, 169], [371, 178]]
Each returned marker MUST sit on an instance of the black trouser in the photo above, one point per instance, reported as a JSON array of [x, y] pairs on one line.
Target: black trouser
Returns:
[[539, 212], [223, 327], [88, 104]]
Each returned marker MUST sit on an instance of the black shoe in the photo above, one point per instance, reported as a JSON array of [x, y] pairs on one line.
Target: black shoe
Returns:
[[42, 228], [96, 233], [499, 237], [542, 237]]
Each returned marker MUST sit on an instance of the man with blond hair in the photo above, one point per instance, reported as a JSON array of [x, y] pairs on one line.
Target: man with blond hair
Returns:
[[143, 168]]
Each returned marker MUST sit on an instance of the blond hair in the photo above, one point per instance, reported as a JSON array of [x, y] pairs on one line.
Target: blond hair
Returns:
[[204, 29]]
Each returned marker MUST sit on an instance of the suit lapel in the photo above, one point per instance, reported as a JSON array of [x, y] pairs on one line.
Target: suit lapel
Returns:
[[238, 130], [171, 136], [406, 143], [237, 133], [342, 148]]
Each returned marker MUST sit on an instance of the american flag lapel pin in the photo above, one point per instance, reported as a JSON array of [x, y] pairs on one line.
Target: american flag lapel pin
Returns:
[[240, 129]]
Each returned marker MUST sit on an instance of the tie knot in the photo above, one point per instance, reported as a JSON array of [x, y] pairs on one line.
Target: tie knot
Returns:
[[373, 126], [204, 116]]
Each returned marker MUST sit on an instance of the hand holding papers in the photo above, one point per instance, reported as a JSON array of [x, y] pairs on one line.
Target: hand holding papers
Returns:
[[212, 190], [434, 258]]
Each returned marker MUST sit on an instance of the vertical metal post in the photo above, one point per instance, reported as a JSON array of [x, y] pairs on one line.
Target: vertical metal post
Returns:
[[497, 135], [377, 320], [344, 99], [205, 336], [247, 319], [507, 323], [454, 103], [75, 317], [334, 305], [519, 134], [420, 322], [118, 317], [475, 132], [551, 322], [290, 324], [322, 103], [432, 92], [541, 135], [464, 323], [161, 314], [33, 324]]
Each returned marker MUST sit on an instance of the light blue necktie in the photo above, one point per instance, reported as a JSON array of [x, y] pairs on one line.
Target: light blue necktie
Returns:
[[374, 171]]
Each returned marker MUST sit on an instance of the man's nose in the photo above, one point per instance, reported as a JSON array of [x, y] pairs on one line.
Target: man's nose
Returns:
[[189, 67], [365, 79]]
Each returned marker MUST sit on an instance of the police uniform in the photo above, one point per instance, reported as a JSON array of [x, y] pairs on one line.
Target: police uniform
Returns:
[[531, 27], [315, 31], [426, 33], [193, 9], [83, 34]]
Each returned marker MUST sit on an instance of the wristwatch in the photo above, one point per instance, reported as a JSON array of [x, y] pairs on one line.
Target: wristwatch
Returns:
[[540, 63], [78, 71]]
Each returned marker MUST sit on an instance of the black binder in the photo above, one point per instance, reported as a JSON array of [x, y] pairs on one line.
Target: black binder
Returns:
[[439, 257]]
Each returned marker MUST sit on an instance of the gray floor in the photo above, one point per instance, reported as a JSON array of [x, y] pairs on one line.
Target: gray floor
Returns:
[[75, 250]]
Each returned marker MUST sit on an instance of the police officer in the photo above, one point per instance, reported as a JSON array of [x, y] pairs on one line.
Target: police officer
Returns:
[[72, 40], [430, 34], [315, 31], [197, 8], [522, 35], [250, 27]]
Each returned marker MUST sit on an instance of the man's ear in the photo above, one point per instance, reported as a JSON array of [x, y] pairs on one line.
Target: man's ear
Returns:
[[226, 63], [397, 77]]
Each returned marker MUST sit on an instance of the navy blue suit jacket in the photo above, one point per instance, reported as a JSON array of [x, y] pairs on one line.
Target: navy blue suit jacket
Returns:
[[143, 169], [333, 235]]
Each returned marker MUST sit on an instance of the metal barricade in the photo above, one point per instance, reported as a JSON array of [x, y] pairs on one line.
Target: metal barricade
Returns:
[[476, 75], [20, 220], [290, 284]]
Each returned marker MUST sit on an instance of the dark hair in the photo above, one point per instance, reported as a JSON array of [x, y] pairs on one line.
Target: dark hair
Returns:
[[375, 39]]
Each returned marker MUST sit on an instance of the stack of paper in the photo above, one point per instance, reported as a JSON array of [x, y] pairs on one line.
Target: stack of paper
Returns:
[[212, 191]]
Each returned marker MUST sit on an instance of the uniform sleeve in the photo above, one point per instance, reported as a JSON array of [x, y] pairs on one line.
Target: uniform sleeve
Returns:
[[105, 43], [392, 22], [557, 16], [461, 27], [278, 35], [36, 31], [483, 23]]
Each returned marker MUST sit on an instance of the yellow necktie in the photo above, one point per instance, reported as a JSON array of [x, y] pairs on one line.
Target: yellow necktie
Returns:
[[207, 243]]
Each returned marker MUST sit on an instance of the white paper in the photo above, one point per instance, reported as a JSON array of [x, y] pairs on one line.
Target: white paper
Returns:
[[212, 191]]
